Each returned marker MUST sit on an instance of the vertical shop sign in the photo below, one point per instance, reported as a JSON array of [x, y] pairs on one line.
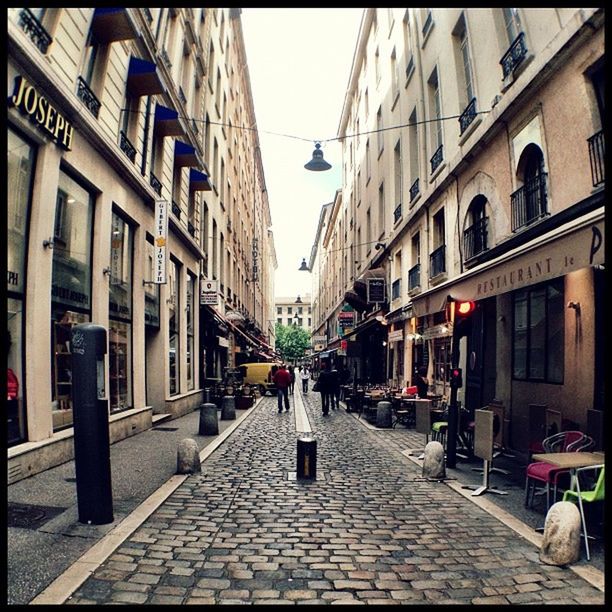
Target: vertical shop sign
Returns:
[[161, 238]]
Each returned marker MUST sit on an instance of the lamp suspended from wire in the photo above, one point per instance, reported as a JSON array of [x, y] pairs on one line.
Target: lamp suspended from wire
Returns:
[[317, 163], [304, 266]]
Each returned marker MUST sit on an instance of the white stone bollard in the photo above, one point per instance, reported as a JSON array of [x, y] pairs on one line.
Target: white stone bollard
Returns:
[[433, 461], [188, 457], [561, 543]]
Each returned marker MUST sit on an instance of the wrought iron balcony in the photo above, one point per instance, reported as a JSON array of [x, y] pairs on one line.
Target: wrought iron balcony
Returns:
[[34, 29], [166, 58], [396, 288], [529, 202], [410, 66], [414, 277], [428, 23], [182, 96], [397, 213], [88, 97], [176, 210], [514, 56], [127, 147], [194, 125], [191, 228], [148, 14], [437, 158], [475, 238], [155, 183], [597, 155], [468, 115], [414, 190], [437, 261]]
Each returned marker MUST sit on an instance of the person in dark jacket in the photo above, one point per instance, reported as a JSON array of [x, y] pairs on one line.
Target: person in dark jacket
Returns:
[[335, 388], [325, 385], [282, 380], [292, 374], [421, 382]]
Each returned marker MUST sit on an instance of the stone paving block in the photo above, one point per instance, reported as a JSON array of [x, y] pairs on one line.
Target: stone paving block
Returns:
[[129, 597]]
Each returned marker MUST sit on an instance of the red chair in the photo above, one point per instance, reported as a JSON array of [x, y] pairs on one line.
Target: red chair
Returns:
[[540, 471]]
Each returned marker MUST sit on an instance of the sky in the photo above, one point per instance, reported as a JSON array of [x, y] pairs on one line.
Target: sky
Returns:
[[299, 62]]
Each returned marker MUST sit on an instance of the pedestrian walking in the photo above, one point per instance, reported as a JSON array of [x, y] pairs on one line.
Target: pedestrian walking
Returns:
[[304, 375], [282, 380], [324, 386], [421, 382], [292, 374], [335, 388]]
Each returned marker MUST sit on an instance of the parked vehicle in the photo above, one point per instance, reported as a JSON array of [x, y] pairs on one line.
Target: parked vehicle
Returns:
[[260, 375]]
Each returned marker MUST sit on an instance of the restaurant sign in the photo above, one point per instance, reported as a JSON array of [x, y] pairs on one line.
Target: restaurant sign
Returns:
[[41, 112], [209, 293], [160, 240], [376, 290], [396, 336]]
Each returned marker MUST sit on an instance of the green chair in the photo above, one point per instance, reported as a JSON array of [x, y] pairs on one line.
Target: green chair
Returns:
[[594, 495], [438, 432]]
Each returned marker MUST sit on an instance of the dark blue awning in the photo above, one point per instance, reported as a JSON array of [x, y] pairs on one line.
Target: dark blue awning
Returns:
[[198, 181], [185, 154], [112, 24], [143, 79], [167, 122]]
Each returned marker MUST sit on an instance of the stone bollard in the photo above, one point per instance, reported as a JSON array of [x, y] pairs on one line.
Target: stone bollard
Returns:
[[209, 422], [561, 543], [228, 408], [383, 414], [433, 461], [188, 457]]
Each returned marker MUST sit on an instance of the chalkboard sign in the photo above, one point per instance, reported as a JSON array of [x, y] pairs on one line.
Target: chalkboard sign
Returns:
[[376, 290]]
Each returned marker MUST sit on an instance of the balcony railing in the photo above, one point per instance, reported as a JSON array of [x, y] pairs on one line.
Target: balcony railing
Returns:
[[148, 14], [475, 238], [437, 261], [155, 183], [437, 158], [127, 147], [468, 115], [514, 56], [414, 190], [414, 277], [397, 213], [33, 28], [176, 210], [191, 228], [396, 288], [597, 155], [529, 202], [88, 97], [182, 96]]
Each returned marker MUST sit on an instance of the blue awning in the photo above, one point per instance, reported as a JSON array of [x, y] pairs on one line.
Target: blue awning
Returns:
[[167, 122], [112, 24], [143, 79], [198, 181], [185, 154]]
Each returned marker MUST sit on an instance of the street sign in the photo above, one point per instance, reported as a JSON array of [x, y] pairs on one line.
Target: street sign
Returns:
[[209, 293], [376, 290]]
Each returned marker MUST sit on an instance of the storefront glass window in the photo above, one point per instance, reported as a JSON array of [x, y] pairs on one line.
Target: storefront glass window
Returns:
[[173, 326], [20, 169], [191, 283], [70, 286], [120, 314], [151, 289]]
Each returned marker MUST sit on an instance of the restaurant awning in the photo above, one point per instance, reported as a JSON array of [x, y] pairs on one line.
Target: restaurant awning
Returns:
[[572, 246], [355, 300], [112, 24], [185, 154], [143, 79], [167, 122], [198, 181]]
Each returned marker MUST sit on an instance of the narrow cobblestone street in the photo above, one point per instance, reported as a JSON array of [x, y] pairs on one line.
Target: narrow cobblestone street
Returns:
[[368, 530]]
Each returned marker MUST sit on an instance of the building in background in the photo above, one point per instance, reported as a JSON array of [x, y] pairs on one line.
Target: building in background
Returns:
[[473, 170], [136, 202], [294, 311]]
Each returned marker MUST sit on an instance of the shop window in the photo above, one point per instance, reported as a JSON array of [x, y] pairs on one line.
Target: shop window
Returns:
[[189, 314], [120, 315], [151, 289], [173, 326], [538, 333]]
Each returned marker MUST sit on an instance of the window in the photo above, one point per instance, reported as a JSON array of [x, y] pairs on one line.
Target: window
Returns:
[[279, 310], [367, 159], [413, 151], [464, 63], [189, 316], [435, 109], [289, 310], [279, 320], [173, 326], [475, 235], [379, 128], [394, 76], [397, 175], [151, 290], [377, 65], [381, 209], [512, 23], [538, 333]]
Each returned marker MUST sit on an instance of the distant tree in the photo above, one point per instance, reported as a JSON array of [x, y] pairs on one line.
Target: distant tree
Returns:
[[291, 342]]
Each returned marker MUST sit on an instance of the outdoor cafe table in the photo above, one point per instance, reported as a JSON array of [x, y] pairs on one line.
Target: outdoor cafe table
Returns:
[[571, 461]]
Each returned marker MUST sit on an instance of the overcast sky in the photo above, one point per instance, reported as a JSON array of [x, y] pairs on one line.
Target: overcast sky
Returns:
[[299, 62]]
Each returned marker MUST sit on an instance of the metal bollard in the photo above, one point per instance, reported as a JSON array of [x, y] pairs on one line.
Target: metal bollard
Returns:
[[209, 421], [307, 458], [228, 408]]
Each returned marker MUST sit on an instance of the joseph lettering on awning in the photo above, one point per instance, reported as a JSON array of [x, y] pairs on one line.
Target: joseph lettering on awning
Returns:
[[575, 245]]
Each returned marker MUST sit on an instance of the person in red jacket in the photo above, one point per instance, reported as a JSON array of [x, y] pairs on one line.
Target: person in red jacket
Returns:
[[282, 380]]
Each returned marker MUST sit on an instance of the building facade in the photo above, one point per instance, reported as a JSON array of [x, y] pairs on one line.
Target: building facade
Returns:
[[294, 311], [473, 170], [135, 202]]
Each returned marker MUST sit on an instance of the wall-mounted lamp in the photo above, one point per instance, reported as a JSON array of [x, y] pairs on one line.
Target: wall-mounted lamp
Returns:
[[107, 271], [379, 245], [48, 244], [575, 306]]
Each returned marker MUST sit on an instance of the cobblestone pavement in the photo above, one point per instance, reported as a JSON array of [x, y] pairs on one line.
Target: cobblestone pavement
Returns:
[[369, 530]]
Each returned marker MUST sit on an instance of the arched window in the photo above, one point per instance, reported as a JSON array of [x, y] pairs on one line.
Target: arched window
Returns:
[[475, 234], [529, 202]]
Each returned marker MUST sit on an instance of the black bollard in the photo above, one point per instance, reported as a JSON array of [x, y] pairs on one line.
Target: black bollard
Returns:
[[91, 436], [307, 458], [209, 421], [228, 408]]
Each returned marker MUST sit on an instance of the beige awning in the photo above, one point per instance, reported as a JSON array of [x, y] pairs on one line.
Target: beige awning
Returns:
[[577, 244]]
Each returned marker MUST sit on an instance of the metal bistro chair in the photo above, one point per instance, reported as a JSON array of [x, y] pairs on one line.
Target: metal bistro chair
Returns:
[[540, 471], [594, 495]]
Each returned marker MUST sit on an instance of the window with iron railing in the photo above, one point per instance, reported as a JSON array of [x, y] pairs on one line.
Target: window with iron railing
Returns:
[[397, 213], [176, 209], [414, 277], [475, 238], [437, 158], [514, 56], [529, 202], [87, 96], [34, 29], [468, 115], [597, 156], [155, 183], [127, 147], [396, 289], [437, 261], [414, 190]]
